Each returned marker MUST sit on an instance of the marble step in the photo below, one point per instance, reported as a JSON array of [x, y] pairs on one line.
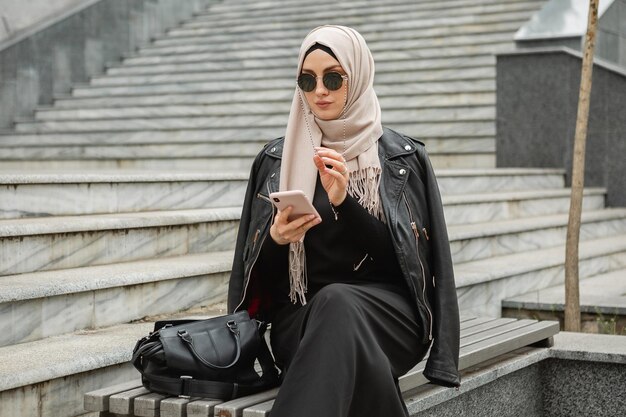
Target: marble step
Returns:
[[223, 89], [44, 244], [267, 75], [260, 7], [215, 164], [237, 39], [214, 155], [388, 95], [414, 52], [38, 305], [471, 242], [476, 114], [600, 295], [376, 45], [25, 195], [265, 107], [329, 9], [482, 284], [478, 160], [464, 209], [263, 64], [403, 19], [49, 377], [471, 181], [271, 119]]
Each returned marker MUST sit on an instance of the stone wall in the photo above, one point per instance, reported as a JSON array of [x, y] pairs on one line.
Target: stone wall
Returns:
[[54, 54], [536, 107], [581, 375]]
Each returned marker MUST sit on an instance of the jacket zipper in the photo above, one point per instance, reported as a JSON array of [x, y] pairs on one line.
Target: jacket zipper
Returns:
[[247, 280], [416, 234]]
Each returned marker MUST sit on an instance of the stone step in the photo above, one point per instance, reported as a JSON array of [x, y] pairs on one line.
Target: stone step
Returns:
[[38, 305], [413, 51], [44, 244], [64, 193], [471, 242], [400, 41], [266, 76], [473, 208], [220, 127], [399, 20], [233, 108], [237, 39], [49, 377], [223, 89], [454, 139], [25, 195], [273, 119], [214, 156], [261, 7], [602, 303], [482, 284], [224, 67], [470, 181], [216, 164]]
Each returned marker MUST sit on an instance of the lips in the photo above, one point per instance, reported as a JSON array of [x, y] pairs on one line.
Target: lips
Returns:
[[322, 104]]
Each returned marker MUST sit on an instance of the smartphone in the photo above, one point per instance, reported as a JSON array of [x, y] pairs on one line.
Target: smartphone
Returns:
[[295, 198]]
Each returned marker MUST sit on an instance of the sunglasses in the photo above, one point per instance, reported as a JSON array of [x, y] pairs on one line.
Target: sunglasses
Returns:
[[331, 80]]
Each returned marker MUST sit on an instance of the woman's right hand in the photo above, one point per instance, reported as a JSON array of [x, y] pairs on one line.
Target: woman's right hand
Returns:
[[284, 231]]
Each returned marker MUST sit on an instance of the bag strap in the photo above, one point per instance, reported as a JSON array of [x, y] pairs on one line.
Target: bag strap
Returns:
[[232, 326], [186, 386]]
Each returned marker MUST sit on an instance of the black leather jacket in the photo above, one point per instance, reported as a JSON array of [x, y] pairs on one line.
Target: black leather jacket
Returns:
[[414, 215]]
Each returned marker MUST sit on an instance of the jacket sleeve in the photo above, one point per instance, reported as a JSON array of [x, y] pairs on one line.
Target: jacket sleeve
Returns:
[[235, 285], [443, 363]]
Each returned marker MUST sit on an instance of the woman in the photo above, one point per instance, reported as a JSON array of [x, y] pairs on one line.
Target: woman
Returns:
[[357, 295]]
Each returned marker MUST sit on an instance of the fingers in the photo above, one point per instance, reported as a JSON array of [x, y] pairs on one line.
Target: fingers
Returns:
[[330, 164], [284, 231]]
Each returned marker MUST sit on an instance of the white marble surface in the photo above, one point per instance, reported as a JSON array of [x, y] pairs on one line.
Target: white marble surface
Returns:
[[479, 181], [484, 240], [480, 292], [89, 197], [414, 20], [109, 239], [463, 209], [44, 304]]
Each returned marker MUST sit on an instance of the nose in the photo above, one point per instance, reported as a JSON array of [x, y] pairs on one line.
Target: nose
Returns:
[[320, 88]]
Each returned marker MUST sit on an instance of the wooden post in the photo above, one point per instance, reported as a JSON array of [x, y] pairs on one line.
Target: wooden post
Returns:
[[572, 296]]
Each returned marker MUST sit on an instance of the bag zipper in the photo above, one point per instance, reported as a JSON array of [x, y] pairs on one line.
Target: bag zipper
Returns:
[[416, 234]]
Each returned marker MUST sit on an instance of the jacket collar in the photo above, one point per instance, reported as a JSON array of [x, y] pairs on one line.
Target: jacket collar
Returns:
[[393, 145], [274, 149]]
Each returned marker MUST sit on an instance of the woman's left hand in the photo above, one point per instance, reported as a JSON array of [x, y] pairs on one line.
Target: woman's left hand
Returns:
[[334, 179]]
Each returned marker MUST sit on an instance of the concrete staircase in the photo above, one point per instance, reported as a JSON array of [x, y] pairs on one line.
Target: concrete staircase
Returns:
[[120, 202]]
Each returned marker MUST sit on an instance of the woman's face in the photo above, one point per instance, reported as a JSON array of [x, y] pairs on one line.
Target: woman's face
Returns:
[[325, 103]]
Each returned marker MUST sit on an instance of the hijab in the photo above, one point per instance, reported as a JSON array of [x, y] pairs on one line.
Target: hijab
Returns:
[[354, 134]]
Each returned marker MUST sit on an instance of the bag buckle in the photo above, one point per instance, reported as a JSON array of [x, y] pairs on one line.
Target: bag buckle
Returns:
[[184, 389], [232, 326]]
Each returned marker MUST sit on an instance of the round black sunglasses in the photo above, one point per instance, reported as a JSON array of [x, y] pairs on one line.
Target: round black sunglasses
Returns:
[[331, 80]]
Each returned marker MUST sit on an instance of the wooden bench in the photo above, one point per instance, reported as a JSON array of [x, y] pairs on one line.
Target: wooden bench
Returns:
[[481, 339]]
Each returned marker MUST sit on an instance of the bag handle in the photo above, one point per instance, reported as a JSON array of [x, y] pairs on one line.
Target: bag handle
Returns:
[[232, 326]]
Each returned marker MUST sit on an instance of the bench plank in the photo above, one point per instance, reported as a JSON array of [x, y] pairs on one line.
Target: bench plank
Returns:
[[98, 400], [122, 403], [148, 405], [202, 408], [174, 407], [235, 407], [481, 339], [259, 410]]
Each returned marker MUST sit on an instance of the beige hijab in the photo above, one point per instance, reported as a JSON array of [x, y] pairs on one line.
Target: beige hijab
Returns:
[[354, 134]]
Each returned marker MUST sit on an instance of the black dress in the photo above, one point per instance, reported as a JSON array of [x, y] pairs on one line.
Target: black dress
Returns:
[[341, 354]]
